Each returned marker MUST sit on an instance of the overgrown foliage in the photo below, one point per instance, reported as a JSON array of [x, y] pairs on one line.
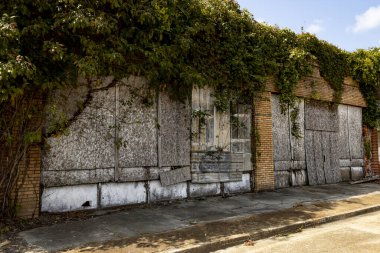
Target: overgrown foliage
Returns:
[[175, 44]]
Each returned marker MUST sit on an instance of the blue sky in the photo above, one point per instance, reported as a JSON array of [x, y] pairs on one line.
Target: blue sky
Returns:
[[348, 24]]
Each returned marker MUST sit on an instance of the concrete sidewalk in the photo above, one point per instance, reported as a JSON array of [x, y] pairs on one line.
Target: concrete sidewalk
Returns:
[[210, 224]]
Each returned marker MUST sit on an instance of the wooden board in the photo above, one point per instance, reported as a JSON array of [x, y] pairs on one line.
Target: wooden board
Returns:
[[335, 157], [216, 167], [321, 116], [326, 146], [217, 157], [310, 159], [318, 156], [204, 178], [175, 176]]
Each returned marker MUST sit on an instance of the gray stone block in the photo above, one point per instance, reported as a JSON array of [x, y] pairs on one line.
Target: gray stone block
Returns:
[[201, 190], [240, 186]]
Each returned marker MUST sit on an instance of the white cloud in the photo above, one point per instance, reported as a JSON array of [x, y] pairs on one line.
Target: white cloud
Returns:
[[315, 27], [368, 20]]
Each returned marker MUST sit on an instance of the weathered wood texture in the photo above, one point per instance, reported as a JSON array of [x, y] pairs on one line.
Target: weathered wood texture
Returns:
[[321, 116], [289, 151], [175, 122], [204, 178], [202, 129], [281, 132], [322, 157], [220, 140], [344, 146], [175, 176]]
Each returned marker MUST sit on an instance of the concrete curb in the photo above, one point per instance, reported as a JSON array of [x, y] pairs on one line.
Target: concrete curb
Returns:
[[266, 233]]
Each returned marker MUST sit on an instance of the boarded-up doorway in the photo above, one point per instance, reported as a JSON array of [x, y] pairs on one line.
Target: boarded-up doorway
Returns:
[[321, 143]]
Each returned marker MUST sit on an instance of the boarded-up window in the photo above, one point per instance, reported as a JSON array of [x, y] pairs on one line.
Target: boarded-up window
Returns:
[[216, 136]]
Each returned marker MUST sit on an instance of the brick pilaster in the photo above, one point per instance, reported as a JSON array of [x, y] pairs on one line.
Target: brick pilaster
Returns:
[[264, 167], [375, 153]]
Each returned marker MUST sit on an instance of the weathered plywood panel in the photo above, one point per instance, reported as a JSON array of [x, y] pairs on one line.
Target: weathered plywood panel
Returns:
[[137, 124], [202, 178], [175, 120], [281, 139], [321, 116], [133, 174], [282, 165], [222, 134], [89, 143], [175, 176], [343, 147], [51, 178], [355, 132]]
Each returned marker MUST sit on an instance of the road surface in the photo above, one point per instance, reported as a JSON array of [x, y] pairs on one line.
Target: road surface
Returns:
[[356, 235]]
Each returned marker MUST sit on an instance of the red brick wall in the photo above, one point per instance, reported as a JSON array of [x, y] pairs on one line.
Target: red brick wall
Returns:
[[375, 154]]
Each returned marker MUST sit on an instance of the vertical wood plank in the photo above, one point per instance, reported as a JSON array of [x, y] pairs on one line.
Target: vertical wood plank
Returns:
[[326, 151], [310, 158], [335, 157], [317, 143]]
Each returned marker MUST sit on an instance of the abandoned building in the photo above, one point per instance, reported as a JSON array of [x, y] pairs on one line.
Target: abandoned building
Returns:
[[120, 151]]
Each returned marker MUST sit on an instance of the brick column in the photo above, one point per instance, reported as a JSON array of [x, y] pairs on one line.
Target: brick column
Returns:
[[375, 154], [263, 167], [28, 185]]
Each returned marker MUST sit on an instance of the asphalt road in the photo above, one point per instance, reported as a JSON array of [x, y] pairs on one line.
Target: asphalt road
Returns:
[[358, 234]]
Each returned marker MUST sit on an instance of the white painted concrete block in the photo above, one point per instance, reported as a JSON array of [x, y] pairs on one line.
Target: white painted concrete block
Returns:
[[117, 194], [240, 186], [357, 173], [199, 190], [69, 198], [158, 192]]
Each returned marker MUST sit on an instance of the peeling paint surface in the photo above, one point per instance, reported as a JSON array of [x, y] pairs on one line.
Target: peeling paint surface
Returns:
[[158, 192], [116, 194], [200, 190]]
